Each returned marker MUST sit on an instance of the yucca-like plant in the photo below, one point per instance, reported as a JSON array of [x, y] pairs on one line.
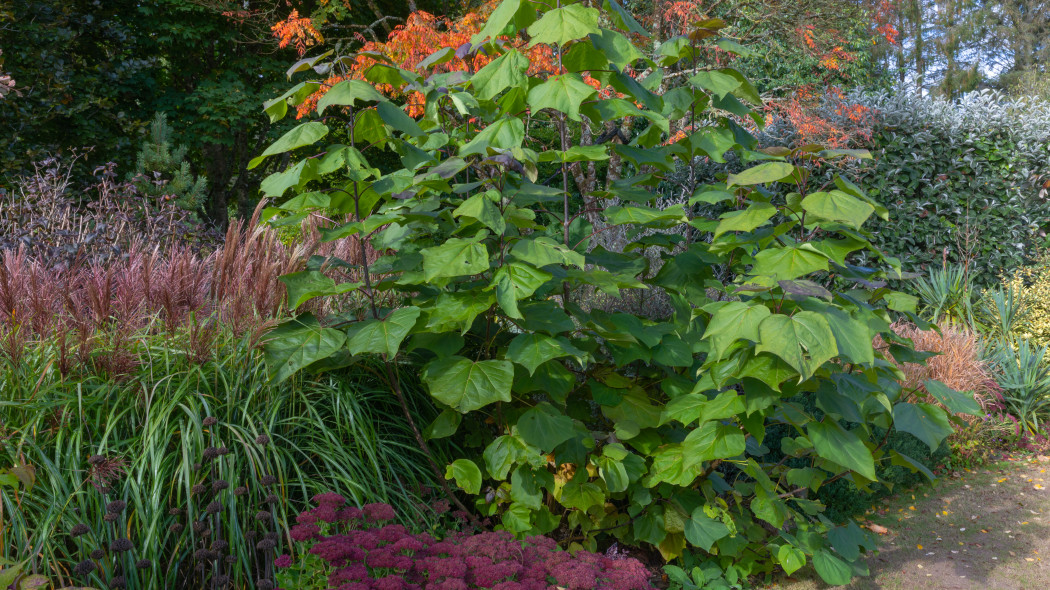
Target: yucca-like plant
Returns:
[[1002, 311], [153, 430], [947, 295], [1025, 379]]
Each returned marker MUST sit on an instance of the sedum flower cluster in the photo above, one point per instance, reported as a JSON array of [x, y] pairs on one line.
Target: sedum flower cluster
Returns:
[[365, 551]]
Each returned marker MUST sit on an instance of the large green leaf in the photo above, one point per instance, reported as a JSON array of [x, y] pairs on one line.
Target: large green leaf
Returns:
[[295, 176], [502, 453], [506, 71], [804, 340], [616, 48], [927, 422], [502, 134], [636, 215], [456, 257], [703, 531], [838, 206], [756, 214], [481, 207], [457, 310], [762, 174], [790, 558], [348, 93], [835, 443], [532, 350], [382, 336], [623, 18], [544, 427], [445, 425], [732, 321], [697, 406], [516, 281], [542, 251], [958, 402], [299, 136], [278, 107], [466, 385], [581, 495], [392, 115], [297, 343], [712, 440], [305, 285], [466, 475], [786, 264], [852, 336], [562, 93], [561, 25], [831, 569], [497, 23], [526, 485], [719, 84], [670, 465]]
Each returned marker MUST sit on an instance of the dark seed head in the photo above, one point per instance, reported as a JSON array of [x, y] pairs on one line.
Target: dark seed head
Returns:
[[84, 567], [262, 515], [265, 545], [110, 517], [268, 480], [223, 451], [240, 491], [272, 536], [272, 499], [98, 554], [214, 508], [199, 489], [230, 559], [219, 485], [210, 421], [176, 527], [121, 545], [250, 535], [202, 555], [264, 584], [96, 459], [220, 545], [116, 506], [210, 453], [118, 582], [206, 533], [175, 511], [262, 439], [143, 564], [199, 526], [80, 529], [222, 580], [196, 466]]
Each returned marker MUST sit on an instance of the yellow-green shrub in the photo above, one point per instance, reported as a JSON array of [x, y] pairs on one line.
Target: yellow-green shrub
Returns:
[[1031, 286]]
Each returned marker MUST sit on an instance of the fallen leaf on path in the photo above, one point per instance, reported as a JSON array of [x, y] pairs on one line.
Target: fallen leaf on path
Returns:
[[878, 529]]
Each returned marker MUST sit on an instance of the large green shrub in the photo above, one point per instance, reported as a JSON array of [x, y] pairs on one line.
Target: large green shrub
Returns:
[[962, 179], [592, 424]]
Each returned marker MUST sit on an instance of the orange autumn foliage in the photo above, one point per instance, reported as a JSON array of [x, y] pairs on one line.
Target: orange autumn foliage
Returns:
[[824, 117], [423, 34], [299, 30]]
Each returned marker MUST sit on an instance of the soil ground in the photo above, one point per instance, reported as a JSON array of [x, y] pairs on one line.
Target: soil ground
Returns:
[[988, 529]]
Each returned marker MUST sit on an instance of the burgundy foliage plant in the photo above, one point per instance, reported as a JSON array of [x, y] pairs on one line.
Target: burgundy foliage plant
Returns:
[[362, 550]]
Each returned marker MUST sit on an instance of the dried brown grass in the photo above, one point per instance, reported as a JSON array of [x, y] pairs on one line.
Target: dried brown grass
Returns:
[[958, 362], [104, 306]]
